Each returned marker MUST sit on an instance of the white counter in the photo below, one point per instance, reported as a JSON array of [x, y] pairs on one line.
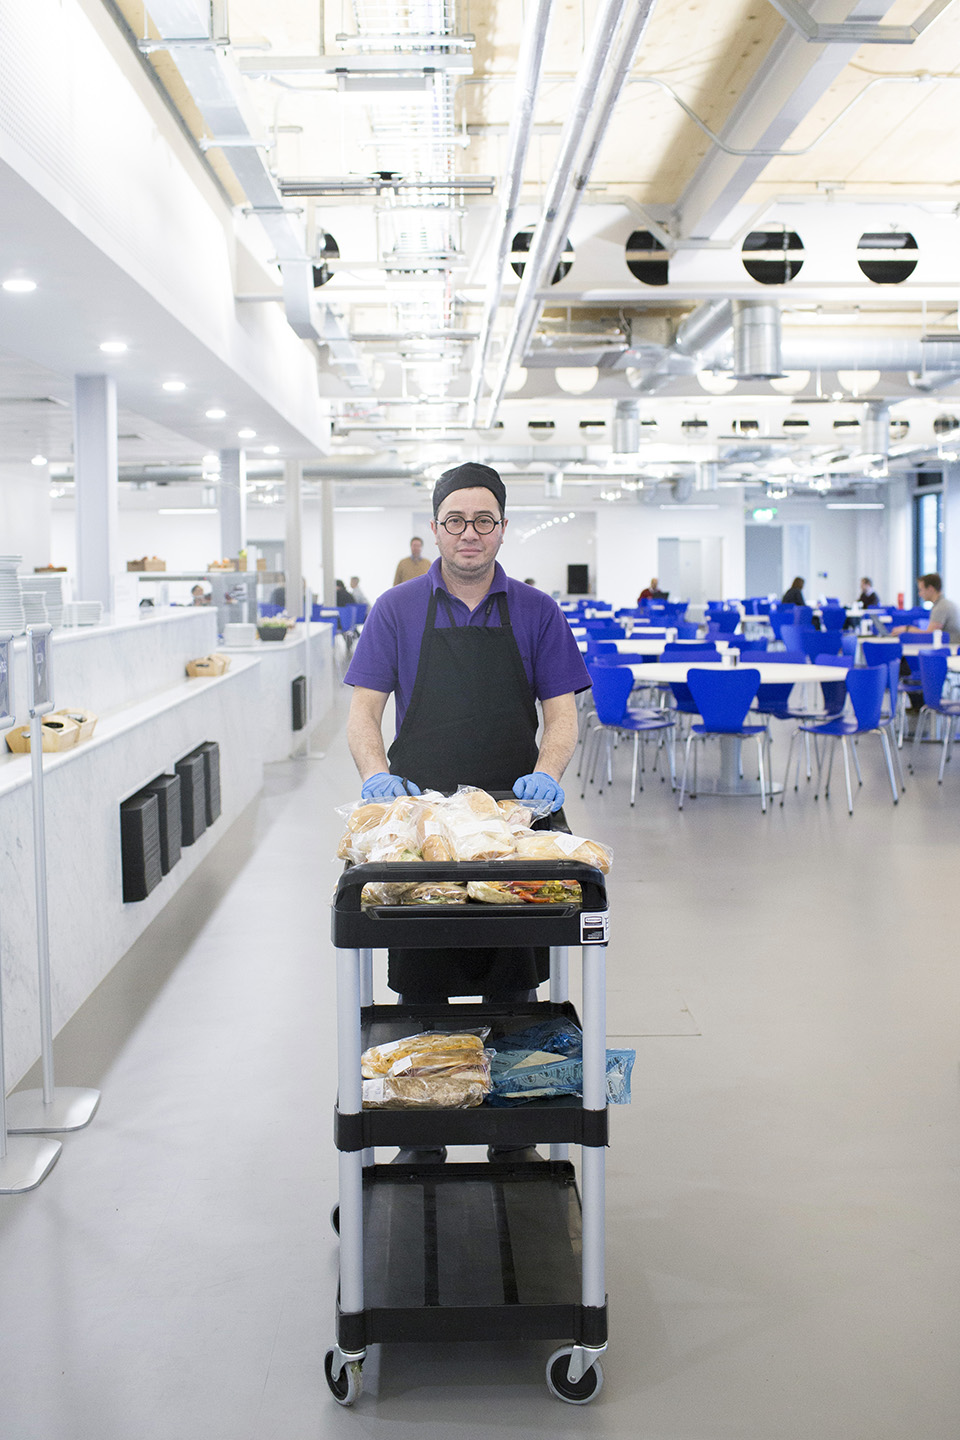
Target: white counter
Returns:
[[161, 717]]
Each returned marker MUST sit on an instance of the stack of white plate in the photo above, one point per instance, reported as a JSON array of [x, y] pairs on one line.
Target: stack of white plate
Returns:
[[238, 634], [34, 606], [52, 588], [11, 604], [82, 612]]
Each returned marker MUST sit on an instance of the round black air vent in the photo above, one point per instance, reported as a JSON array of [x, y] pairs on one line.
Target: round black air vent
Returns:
[[647, 259], [887, 258], [772, 257], [520, 246], [329, 250]]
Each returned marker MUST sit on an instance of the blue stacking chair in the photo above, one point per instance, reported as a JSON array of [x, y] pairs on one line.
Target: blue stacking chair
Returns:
[[723, 698], [866, 688], [848, 642], [833, 617], [726, 620], [781, 615], [773, 698], [266, 610], [692, 655], [933, 673], [884, 652], [811, 642], [687, 632], [611, 694], [747, 647]]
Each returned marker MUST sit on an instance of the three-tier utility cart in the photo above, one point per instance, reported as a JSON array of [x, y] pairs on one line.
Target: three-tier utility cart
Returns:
[[481, 1251]]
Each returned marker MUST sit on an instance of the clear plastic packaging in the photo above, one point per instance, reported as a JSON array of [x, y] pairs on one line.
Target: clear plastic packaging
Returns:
[[434, 1070], [547, 1059], [557, 845]]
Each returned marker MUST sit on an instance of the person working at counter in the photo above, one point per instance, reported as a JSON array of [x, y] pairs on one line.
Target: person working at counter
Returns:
[[467, 652], [868, 597]]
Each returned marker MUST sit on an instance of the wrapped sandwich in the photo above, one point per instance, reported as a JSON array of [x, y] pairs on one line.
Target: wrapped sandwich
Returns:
[[557, 845], [525, 892], [427, 1071]]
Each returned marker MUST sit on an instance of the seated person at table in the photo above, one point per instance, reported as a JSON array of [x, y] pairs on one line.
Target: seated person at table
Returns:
[[794, 596], [868, 597], [652, 592], [943, 616]]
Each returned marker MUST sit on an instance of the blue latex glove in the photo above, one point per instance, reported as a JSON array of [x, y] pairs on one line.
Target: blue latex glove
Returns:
[[539, 789], [384, 787]]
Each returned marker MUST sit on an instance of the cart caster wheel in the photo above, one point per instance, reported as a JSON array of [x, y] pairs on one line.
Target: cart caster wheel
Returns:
[[348, 1384], [578, 1392], [335, 1219]]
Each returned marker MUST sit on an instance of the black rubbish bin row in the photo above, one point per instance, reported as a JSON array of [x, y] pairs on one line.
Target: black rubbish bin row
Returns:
[[169, 813]]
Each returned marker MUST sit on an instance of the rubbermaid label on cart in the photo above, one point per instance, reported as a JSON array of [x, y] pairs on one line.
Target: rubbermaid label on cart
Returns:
[[594, 927]]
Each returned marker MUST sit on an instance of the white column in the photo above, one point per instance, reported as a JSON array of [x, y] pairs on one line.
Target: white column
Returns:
[[293, 552], [233, 503], [95, 472], [326, 540]]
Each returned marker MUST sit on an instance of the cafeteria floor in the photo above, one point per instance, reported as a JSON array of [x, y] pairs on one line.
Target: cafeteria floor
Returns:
[[784, 1247]]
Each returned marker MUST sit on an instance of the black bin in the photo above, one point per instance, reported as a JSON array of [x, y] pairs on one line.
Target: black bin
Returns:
[[193, 797], [210, 752], [298, 697], [167, 790], [140, 846]]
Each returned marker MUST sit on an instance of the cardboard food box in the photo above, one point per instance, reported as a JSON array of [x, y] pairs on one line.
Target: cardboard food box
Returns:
[[148, 562], [207, 665], [58, 732], [85, 720]]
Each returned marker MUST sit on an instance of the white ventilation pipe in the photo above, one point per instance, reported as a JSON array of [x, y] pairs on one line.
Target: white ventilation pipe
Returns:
[[626, 427], [756, 340], [617, 32], [703, 327], [529, 70], [875, 428]]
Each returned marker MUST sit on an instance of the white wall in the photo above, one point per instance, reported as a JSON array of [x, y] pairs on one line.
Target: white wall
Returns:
[[371, 544], [25, 515], [628, 536]]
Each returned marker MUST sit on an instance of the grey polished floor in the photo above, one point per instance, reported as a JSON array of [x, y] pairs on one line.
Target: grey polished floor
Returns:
[[784, 1205]]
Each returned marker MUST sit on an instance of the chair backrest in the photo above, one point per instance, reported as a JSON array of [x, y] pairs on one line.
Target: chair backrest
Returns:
[[601, 647], [694, 654], [266, 610], [784, 657], [745, 646], [781, 615], [820, 642], [804, 615], [834, 692], [848, 642], [933, 672], [881, 652], [611, 691], [726, 620], [834, 617], [687, 632], [790, 635], [723, 697], [866, 688]]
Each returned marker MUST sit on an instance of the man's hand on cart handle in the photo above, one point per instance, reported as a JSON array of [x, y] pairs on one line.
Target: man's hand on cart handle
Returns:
[[383, 787], [539, 788]]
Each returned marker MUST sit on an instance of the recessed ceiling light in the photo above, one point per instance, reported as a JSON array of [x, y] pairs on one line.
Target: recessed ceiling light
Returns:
[[216, 414], [211, 461], [113, 347], [19, 287], [271, 449], [174, 386], [246, 434], [39, 460]]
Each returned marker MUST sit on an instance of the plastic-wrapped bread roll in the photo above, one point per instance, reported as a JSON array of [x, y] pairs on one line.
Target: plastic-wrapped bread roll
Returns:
[[431, 834], [556, 845], [379, 1059]]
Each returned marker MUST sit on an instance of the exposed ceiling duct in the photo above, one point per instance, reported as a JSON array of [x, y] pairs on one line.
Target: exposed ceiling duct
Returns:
[[697, 334], [875, 429], [216, 88], [756, 340], [626, 427], [617, 32]]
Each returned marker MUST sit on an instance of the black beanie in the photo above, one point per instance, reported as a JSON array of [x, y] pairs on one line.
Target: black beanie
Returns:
[[469, 476]]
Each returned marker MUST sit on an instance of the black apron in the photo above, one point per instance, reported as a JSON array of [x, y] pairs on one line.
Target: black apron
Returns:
[[472, 720]]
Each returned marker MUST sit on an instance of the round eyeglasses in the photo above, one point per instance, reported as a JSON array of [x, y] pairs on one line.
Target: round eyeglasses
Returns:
[[483, 524]]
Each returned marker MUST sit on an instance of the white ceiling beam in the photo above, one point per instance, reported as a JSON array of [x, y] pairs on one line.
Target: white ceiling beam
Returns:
[[789, 82]]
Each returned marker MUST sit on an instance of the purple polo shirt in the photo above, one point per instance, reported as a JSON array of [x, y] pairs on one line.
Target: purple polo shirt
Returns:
[[388, 650]]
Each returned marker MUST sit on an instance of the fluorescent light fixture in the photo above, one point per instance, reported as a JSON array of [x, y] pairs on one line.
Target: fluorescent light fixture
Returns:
[[689, 507], [174, 386], [190, 510], [210, 462], [271, 449], [216, 414], [356, 509], [39, 460], [764, 514], [113, 347], [855, 505], [246, 434], [16, 286]]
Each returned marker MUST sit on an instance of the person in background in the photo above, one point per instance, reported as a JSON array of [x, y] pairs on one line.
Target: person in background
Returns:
[[413, 564], [652, 592], [358, 596], [343, 595], [943, 615], [868, 597], [794, 596], [199, 596]]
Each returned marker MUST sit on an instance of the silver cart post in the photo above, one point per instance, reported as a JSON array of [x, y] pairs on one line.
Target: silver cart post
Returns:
[[49, 1110]]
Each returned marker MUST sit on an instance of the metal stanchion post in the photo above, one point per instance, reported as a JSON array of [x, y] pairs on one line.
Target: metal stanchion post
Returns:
[[25, 1160], [309, 754], [70, 1108]]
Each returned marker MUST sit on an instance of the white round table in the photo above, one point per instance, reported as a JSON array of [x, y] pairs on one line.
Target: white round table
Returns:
[[731, 782]]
